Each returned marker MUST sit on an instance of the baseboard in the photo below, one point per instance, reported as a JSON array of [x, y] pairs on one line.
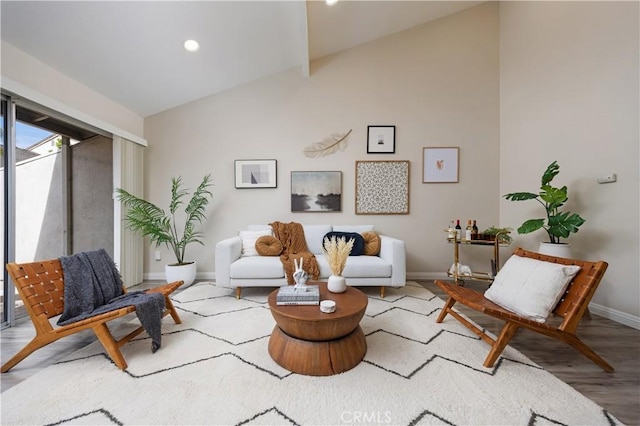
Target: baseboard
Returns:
[[425, 276], [615, 315]]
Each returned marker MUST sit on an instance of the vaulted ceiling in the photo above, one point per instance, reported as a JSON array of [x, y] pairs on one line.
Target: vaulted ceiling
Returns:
[[131, 51]]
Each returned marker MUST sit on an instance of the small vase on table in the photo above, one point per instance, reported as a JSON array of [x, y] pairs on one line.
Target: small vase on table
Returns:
[[336, 284]]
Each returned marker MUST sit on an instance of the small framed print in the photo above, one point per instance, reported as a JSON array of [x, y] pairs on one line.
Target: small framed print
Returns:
[[440, 165], [255, 174], [381, 140]]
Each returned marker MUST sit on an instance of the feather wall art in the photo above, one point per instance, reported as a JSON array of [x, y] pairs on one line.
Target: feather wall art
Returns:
[[327, 146]]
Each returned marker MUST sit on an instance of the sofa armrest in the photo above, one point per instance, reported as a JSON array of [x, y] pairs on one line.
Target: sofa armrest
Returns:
[[227, 252], [393, 251]]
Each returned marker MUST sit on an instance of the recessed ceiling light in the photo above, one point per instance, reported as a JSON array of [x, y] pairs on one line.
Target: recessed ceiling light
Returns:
[[331, 2], [191, 46]]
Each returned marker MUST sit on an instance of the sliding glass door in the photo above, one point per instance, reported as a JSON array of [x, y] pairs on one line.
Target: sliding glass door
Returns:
[[50, 169]]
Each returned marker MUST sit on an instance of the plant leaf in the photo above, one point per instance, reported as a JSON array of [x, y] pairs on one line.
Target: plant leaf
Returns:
[[530, 226], [327, 146], [562, 224], [552, 170], [520, 196]]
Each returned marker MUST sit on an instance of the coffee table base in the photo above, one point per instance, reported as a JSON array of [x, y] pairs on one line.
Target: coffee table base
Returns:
[[322, 358]]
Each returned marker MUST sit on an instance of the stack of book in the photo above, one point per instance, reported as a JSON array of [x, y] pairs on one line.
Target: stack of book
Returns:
[[290, 295]]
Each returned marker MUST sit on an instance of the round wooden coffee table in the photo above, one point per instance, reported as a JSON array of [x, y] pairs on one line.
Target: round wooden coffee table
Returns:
[[308, 341]]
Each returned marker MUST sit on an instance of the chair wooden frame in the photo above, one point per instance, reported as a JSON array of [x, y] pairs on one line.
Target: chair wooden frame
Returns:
[[571, 308], [41, 287]]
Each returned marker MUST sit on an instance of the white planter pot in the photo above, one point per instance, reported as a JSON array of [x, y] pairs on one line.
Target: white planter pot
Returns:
[[186, 273], [557, 250], [336, 284]]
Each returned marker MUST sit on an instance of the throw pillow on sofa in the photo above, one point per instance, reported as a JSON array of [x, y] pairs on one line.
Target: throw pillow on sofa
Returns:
[[358, 241], [249, 239], [372, 243], [268, 245]]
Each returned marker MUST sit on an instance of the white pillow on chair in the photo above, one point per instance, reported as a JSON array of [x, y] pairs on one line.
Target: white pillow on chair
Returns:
[[531, 288]]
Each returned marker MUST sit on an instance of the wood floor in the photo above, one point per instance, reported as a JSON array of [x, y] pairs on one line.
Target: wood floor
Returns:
[[618, 393]]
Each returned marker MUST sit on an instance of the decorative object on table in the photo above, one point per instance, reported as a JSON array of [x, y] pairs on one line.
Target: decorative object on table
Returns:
[[327, 146], [151, 221], [382, 187], [328, 306], [256, 174], [290, 295], [492, 232], [337, 250], [558, 224], [381, 139], [440, 164], [316, 191], [299, 275]]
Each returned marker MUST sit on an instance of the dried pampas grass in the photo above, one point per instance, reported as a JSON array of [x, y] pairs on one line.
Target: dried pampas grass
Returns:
[[337, 251]]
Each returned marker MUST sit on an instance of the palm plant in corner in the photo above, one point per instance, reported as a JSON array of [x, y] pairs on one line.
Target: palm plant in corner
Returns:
[[558, 224], [161, 227]]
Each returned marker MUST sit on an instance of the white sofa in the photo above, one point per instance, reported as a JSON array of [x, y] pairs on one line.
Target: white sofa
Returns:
[[235, 269]]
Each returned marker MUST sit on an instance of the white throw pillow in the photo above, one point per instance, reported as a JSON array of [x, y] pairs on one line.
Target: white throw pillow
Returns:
[[249, 239], [529, 287]]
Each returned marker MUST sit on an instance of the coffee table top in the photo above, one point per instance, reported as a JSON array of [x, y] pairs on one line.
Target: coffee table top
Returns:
[[307, 322]]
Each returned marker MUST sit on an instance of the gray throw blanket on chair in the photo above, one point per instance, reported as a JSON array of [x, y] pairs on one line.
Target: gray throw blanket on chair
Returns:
[[92, 286]]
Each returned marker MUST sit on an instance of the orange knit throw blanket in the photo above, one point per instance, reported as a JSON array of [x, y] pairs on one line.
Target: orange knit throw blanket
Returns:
[[291, 235]]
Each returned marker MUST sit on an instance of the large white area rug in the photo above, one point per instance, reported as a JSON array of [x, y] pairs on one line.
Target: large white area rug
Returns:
[[214, 368]]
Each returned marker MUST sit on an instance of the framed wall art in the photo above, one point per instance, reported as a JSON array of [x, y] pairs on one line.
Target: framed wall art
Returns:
[[382, 187], [256, 174], [381, 140], [316, 191], [440, 165]]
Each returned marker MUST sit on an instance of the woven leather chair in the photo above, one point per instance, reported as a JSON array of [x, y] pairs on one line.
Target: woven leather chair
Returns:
[[571, 308], [41, 287]]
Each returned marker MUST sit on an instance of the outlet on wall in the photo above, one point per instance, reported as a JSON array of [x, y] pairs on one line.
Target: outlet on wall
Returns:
[[611, 177], [158, 256]]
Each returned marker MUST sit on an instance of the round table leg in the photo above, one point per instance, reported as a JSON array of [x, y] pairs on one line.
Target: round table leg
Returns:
[[317, 358]]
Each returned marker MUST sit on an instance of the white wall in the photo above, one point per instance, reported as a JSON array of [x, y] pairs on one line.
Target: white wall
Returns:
[[437, 83], [569, 92]]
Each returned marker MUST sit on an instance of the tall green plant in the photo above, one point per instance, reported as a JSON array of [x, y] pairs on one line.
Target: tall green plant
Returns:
[[558, 224], [151, 221]]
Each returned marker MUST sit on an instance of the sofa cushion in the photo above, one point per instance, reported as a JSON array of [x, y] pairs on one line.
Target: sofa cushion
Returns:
[[358, 241], [313, 234], [529, 287], [268, 245], [372, 243], [257, 267], [358, 267], [249, 239]]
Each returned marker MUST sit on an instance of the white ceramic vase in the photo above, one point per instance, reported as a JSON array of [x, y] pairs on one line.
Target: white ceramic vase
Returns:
[[336, 284], [556, 249], [186, 273]]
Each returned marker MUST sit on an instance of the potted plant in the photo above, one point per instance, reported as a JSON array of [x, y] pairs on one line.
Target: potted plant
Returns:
[[161, 227], [558, 224], [502, 234]]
